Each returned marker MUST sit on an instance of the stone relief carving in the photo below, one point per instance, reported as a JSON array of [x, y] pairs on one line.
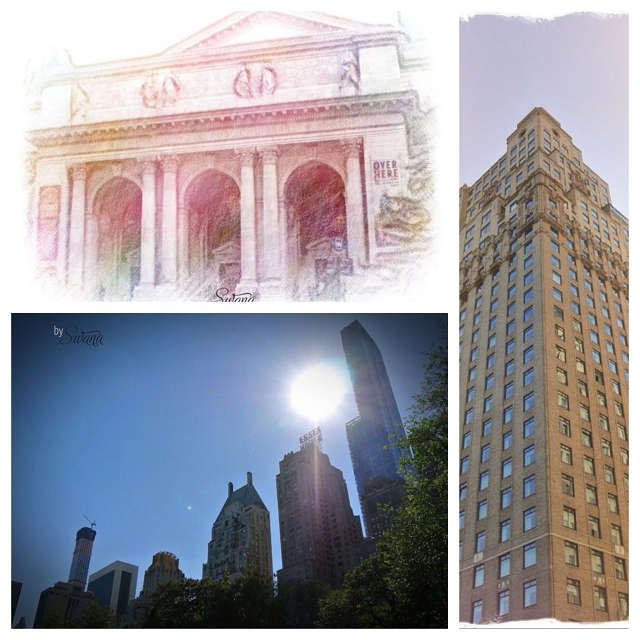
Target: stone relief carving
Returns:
[[170, 89], [242, 83], [149, 92], [350, 71], [268, 80], [79, 102]]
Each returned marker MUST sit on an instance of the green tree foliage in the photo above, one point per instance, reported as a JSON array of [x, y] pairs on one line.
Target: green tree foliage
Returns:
[[247, 602], [298, 603], [405, 584], [95, 616]]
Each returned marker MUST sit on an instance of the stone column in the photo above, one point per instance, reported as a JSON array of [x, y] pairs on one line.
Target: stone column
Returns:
[[271, 285], [248, 244], [183, 244], [91, 254], [169, 221], [148, 234], [354, 204], [76, 227]]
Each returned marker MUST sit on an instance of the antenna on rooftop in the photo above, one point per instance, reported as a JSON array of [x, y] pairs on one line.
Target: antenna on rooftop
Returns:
[[93, 524]]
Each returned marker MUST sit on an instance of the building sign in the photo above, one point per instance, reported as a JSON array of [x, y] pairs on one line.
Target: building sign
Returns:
[[385, 172], [313, 437]]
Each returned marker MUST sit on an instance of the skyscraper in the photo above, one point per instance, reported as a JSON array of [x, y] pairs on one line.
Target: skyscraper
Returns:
[[240, 536], [544, 365], [317, 525], [82, 557], [115, 585], [379, 422]]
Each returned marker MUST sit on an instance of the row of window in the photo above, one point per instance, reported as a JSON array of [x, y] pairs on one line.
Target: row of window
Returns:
[[529, 598]]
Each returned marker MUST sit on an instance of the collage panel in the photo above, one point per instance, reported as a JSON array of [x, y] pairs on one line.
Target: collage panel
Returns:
[[544, 321], [229, 470]]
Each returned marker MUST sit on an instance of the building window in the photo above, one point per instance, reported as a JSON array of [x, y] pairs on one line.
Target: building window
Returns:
[[505, 566], [569, 517], [505, 530], [508, 414], [616, 534], [620, 569], [565, 427], [571, 553], [563, 400], [529, 485], [506, 468], [464, 465], [561, 375], [565, 454], [484, 452], [478, 576], [471, 393], [505, 498], [488, 403], [530, 597], [508, 368], [476, 616], [573, 591], [609, 474], [528, 401], [508, 390], [600, 598], [588, 465], [584, 412], [567, 484], [527, 334], [560, 332], [612, 501], [529, 456], [623, 605], [527, 377], [483, 481], [528, 427], [594, 526], [596, 561], [507, 439], [480, 541], [606, 447], [486, 427], [503, 603], [463, 491], [529, 519], [587, 440], [591, 494]]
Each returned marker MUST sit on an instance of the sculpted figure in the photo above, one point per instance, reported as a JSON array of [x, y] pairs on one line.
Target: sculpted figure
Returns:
[[149, 92], [350, 71], [170, 89], [79, 102], [268, 80], [242, 85]]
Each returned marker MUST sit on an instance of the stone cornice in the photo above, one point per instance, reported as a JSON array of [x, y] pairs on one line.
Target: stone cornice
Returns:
[[225, 118]]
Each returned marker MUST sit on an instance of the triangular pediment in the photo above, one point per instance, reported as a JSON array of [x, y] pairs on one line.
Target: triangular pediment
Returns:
[[264, 26]]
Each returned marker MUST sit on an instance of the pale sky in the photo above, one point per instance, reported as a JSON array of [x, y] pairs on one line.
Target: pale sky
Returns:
[[576, 67]]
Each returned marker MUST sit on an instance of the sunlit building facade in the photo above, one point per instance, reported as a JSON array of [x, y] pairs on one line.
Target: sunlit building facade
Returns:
[[378, 424], [240, 537], [317, 525], [544, 367]]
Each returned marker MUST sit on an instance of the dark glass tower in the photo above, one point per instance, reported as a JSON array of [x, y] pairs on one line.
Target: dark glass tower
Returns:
[[81, 557], [379, 422]]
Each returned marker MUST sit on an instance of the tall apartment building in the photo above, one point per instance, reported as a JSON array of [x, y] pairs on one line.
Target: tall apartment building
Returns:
[[317, 526], [544, 366], [115, 585], [240, 536], [378, 422], [81, 557]]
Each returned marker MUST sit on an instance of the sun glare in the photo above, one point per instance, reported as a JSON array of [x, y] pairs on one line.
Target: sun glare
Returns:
[[317, 391]]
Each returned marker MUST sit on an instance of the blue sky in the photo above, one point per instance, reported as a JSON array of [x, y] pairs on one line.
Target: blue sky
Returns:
[[575, 66], [143, 433]]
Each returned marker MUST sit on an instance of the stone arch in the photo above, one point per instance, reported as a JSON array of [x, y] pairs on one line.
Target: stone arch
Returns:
[[117, 209], [314, 196], [310, 159]]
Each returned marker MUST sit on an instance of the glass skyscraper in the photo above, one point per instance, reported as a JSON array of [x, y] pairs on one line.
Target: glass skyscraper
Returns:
[[379, 422]]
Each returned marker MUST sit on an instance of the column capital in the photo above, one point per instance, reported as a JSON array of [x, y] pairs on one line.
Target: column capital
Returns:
[[170, 163], [246, 156], [148, 165], [351, 146], [269, 154], [79, 171]]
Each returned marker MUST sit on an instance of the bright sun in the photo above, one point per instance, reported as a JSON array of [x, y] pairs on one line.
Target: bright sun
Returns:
[[317, 391]]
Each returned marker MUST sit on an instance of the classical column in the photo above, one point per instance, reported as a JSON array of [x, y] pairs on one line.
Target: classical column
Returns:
[[169, 221], [148, 234], [91, 253], [271, 283], [76, 227], [183, 243], [248, 244], [354, 204]]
